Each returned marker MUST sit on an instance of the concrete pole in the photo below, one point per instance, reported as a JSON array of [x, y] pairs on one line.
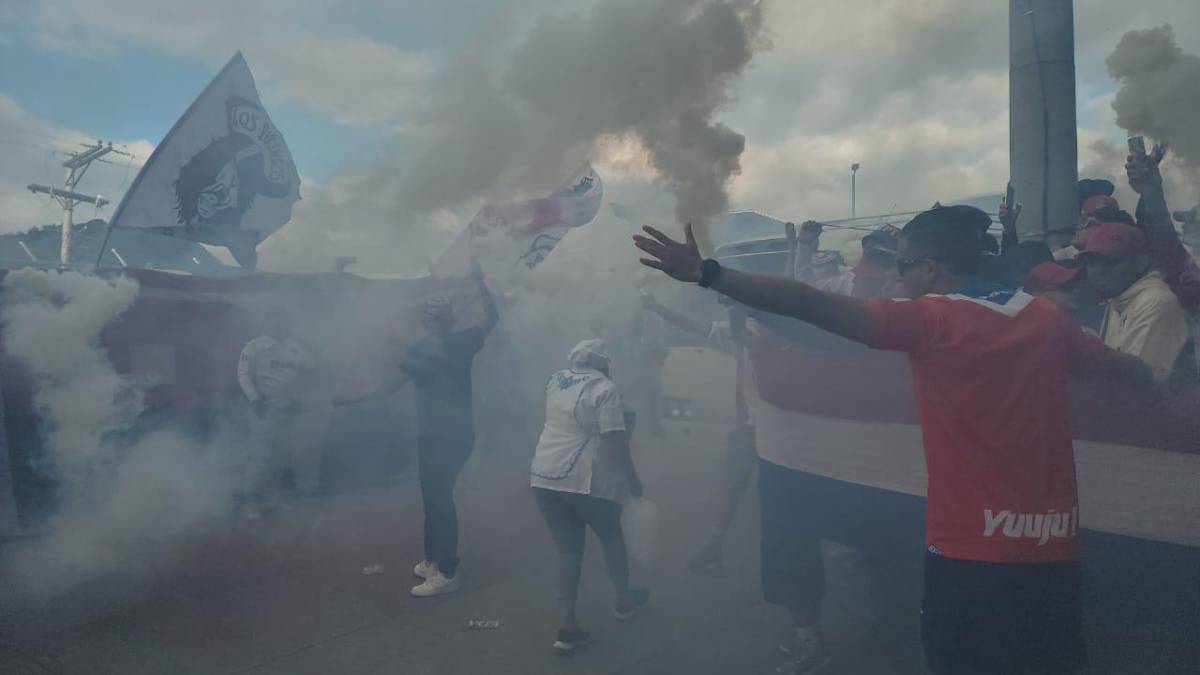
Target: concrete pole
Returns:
[[68, 221], [853, 188], [1043, 147]]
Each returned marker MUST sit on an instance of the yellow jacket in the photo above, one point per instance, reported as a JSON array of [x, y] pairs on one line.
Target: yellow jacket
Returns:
[[1148, 322]]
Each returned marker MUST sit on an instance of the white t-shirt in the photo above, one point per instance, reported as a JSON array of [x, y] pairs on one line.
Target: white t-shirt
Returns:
[[271, 369], [841, 284], [580, 405]]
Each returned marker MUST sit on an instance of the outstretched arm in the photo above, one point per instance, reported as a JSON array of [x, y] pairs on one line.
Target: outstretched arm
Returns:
[[842, 315], [387, 387], [1009, 214]]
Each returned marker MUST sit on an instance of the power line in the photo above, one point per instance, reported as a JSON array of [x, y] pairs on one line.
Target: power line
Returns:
[[76, 165]]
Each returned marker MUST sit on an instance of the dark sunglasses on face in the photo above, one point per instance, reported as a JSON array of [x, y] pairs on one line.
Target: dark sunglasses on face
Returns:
[[903, 265]]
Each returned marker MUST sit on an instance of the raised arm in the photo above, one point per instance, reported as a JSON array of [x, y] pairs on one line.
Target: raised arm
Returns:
[[1009, 214], [842, 315], [1166, 249], [801, 248]]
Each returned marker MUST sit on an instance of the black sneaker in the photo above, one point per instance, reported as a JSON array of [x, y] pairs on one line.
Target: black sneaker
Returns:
[[570, 640], [638, 599]]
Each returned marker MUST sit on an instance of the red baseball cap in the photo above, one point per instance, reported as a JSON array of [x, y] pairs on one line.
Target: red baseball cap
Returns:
[[1115, 240], [1048, 276]]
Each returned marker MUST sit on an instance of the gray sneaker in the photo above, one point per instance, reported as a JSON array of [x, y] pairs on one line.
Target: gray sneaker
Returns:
[[806, 656]]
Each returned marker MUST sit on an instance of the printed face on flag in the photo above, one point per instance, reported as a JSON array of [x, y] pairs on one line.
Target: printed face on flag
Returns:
[[223, 174]]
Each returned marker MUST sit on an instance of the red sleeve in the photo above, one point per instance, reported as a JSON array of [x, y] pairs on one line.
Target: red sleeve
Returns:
[[904, 325]]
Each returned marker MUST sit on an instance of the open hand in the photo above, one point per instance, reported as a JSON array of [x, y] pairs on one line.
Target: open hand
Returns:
[[679, 260], [810, 231], [1143, 173]]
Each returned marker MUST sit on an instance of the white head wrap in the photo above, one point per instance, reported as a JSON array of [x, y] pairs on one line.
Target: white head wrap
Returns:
[[589, 354]]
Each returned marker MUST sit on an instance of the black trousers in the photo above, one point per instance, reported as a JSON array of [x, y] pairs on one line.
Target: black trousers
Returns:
[[799, 509], [439, 461], [568, 515], [983, 618]]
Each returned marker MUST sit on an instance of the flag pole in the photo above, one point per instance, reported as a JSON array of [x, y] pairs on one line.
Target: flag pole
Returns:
[[103, 246]]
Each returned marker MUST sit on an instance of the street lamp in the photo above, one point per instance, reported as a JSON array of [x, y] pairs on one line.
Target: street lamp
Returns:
[[853, 180]]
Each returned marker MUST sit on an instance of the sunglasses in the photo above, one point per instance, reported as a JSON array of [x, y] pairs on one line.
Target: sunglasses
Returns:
[[903, 265]]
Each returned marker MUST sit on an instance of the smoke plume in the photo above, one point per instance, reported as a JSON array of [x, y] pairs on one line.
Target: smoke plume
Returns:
[[52, 322], [121, 500], [656, 70], [1160, 92], [500, 124]]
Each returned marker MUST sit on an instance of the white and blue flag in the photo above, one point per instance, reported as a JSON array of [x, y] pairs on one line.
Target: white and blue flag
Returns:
[[223, 175]]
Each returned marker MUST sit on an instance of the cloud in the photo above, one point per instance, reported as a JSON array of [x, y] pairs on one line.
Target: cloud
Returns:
[[303, 52], [31, 151], [916, 91]]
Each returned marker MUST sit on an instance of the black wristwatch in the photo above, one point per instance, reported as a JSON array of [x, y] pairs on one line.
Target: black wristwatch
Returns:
[[709, 271]]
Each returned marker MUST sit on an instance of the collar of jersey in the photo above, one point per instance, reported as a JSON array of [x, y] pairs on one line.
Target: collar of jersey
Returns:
[[988, 291]]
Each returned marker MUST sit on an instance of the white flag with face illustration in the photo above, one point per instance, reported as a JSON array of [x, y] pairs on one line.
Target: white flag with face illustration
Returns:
[[511, 239], [223, 175]]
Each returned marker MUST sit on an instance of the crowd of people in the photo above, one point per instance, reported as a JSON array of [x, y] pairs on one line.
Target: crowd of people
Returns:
[[1002, 582], [1117, 304]]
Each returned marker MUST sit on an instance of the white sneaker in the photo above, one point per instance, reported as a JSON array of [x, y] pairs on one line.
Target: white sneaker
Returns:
[[424, 569], [436, 584]]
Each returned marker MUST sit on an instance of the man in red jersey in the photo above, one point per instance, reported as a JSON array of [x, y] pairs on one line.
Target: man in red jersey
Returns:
[[990, 368]]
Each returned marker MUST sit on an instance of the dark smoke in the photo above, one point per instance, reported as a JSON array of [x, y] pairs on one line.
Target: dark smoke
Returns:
[[656, 70], [1160, 91]]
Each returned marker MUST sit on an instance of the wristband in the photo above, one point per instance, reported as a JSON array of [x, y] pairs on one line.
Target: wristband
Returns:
[[709, 271]]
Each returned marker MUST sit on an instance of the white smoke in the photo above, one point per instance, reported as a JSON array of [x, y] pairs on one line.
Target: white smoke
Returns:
[[121, 500], [1159, 95], [52, 322]]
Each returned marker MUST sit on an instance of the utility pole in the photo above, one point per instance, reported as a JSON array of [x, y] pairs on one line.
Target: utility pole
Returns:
[[76, 165], [853, 186], [1042, 130]]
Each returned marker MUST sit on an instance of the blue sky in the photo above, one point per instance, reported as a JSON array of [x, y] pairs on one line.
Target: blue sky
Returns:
[[140, 93], [345, 82]]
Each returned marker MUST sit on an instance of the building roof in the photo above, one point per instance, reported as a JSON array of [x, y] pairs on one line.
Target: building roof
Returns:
[[39, 247]]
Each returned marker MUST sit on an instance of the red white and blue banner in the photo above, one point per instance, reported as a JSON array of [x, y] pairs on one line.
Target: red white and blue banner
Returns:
[[514, 238]]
